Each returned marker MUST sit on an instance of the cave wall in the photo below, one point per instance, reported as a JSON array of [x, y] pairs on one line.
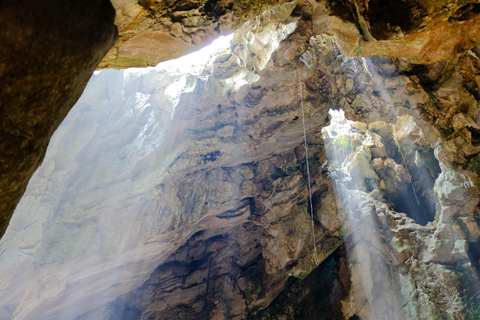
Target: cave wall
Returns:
[[170, 147], [210, 206], [153, 31], [49, 52], [420, 31], [409, 221]]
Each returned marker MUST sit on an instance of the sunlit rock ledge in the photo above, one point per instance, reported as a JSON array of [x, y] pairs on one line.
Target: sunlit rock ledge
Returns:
[[419, 31]]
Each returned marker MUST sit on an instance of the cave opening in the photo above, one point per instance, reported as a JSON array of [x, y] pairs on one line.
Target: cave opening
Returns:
[[208, 173], [466, 12], [414, 206], [317, 297], [473, 252], [417, 199]]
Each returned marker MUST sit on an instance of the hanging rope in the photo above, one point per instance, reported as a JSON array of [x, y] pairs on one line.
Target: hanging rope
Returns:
[[315, 257]]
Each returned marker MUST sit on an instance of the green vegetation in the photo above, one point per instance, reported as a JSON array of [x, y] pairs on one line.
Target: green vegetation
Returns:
[[396, 142], [472, 305], [365, 70], [395, 139], [461, 224], [474, 166], [285, 171], [339, 140], [471, 296]]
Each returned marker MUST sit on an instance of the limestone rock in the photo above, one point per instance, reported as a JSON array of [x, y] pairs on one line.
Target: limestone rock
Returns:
[[206, 187], [404, 29], [151, 32], [48, 54]]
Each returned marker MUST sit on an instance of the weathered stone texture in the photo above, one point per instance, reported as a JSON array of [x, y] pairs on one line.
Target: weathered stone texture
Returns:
[[49, 52], [420, 31], [156, 31]]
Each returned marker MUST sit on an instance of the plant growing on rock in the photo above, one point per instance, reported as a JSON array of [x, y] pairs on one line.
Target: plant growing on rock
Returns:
[[339, 140], [397, 144], [342, 143]]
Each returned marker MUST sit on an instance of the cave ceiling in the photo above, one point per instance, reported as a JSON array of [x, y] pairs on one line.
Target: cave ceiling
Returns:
[[45, 65], [420, 31]]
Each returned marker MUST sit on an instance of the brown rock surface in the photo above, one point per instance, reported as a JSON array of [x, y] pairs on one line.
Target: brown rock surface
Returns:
[[420, 31], [49, 50], [156, 31]]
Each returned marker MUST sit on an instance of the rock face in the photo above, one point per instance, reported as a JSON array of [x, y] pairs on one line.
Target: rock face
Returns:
[[419, 31], [198, 131], [48, 54], [200, 208], [156, 31]]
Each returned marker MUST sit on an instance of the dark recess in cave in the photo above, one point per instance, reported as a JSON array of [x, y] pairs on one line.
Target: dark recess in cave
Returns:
[[317, 203], [470, 289], [317, 297], [340, 9], [473, 252], [475, 136], [144, 3], [416, 203], [216, 8], [386, 15], [430, 76], [406, 202], [211, 157], [467, 12]]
